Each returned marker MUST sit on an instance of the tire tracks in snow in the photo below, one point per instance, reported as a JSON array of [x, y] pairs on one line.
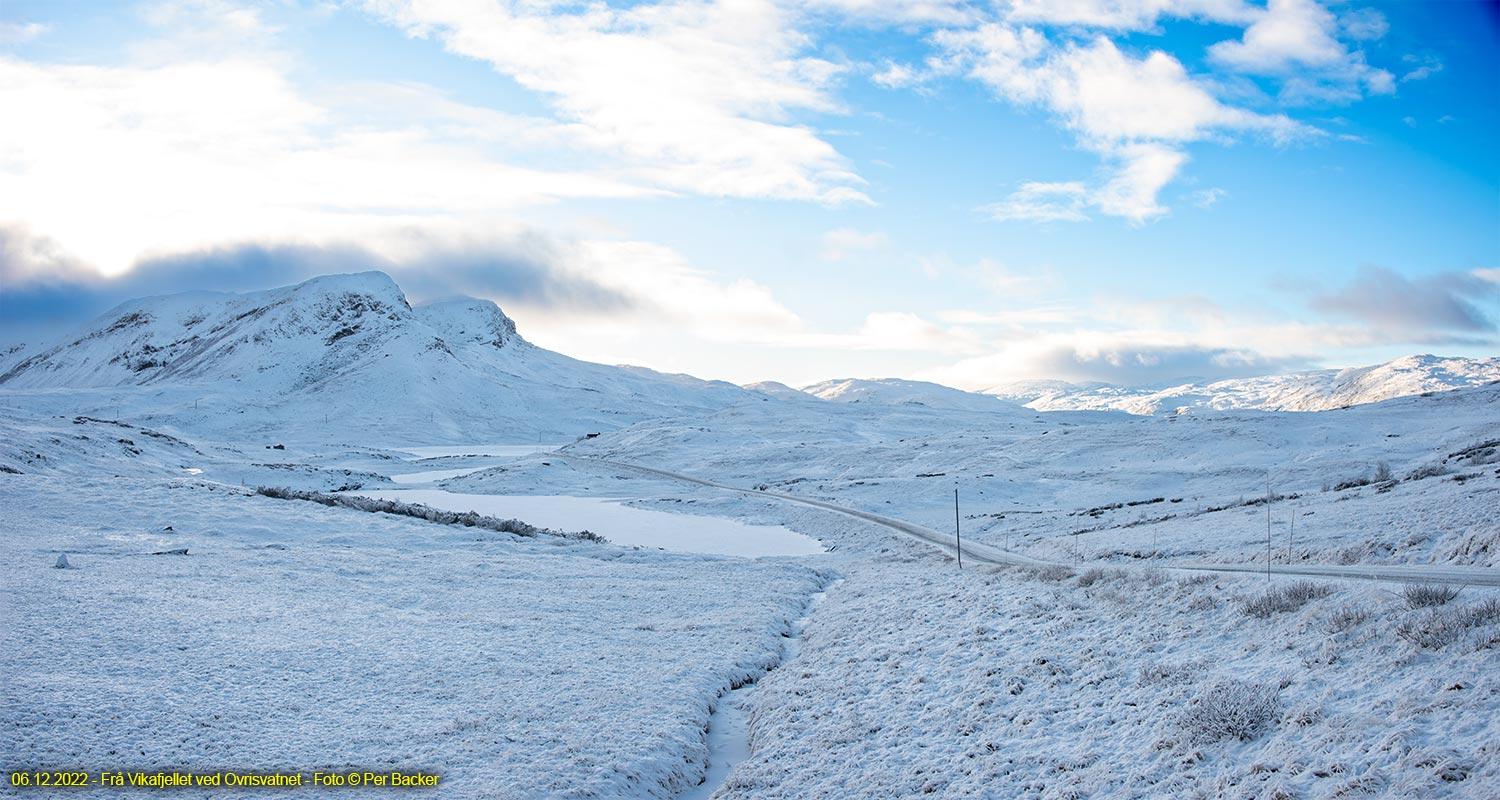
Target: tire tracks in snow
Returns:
[[989, 554]]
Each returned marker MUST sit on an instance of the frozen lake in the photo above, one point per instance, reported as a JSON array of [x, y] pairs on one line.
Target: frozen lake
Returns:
[[621, 524], [445, 450]]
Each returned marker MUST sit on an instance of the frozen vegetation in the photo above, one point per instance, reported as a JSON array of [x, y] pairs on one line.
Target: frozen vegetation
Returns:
[[399, 597]]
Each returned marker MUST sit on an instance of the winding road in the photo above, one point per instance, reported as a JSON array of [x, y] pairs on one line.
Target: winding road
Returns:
[[989, 554]]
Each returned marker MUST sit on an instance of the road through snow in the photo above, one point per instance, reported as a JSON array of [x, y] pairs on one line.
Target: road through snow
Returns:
[[989, 554]]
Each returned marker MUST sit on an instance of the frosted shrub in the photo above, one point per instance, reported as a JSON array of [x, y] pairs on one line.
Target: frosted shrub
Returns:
[[1346, 617], [1419, 595], [1090, 577], [1230, 710], [1437, 628], [1053, 572], [1162, 673], [1382, 472], [1428, 471], [1285, 598], [466, 518]]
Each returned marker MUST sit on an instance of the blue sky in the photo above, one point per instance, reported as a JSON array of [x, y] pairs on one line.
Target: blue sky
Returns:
[[1133, 191]]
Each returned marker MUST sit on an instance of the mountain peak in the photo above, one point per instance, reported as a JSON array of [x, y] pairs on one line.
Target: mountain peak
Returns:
[[470, 320]]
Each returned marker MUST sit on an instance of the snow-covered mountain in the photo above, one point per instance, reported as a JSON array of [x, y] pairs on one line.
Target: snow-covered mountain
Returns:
[[1318, 390], [349, 353], [896, 391]]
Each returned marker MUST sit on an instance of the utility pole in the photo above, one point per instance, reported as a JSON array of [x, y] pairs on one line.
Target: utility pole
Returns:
[[1290, 528], [959, 543], [1268, 526]]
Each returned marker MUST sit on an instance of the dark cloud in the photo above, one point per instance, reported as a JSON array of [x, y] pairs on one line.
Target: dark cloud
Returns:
[[41, 289], [1430, 306], [26, 257], [1159, 366]]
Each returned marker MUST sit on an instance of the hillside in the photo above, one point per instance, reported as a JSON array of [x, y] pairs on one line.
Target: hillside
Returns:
[[326, 358], [1319, 390], [896, 391]]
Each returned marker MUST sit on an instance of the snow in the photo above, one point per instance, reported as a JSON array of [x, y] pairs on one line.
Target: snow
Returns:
[[434, 475], [621, 524], [297, 636], [508, 450], [892, 391], [729, 727], [1319, 390], [1007, 684], [342, 358]]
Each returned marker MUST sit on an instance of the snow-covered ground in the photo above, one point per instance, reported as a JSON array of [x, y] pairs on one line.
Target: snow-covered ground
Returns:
[[1074, 486], [298, 637], [294, 635], [1008, 684]]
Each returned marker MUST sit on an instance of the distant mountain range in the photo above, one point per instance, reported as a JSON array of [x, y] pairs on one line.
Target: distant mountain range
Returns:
[[897, 391], [347, 358], [1318, 390]]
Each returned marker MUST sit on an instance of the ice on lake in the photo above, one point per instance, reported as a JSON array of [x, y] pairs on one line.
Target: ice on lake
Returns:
[[445, 450], [621, 524]]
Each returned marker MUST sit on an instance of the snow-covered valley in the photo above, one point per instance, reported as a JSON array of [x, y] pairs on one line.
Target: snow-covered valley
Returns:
[[199, 624]]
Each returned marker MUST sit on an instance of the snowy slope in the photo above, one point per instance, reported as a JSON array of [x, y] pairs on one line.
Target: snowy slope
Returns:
[[896, 391], [1319, 390], [1033, 481], [327, 357]]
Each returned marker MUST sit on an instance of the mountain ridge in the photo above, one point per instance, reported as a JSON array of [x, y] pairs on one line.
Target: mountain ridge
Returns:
[[340, 348], [1311, 390]]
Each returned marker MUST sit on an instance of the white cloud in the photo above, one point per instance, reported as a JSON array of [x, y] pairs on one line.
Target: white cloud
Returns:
[[1135, 112], [1290, 33], [669, 293], [1424, 67], [1014, 322], [1042, 202], [20, 32], [697, 96], [899, 330], [1122, 358], [113, 161], [1144, 169], [1364, 24], [1297, 41], [1009, 283], [1208, 198], [897, 76], [1110, 97], [841, 243], [944, 12], [1135, 15]]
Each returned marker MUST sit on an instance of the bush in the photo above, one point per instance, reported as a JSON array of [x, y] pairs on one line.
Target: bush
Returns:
[[1423, 595], [1346, 617], [467, 518], [1166, 674], [1352, 483], [1090, 577], [1382, 472], [1429, 471], [1437, 628], [1053, 572], [1230, 710], [1285, 598]]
